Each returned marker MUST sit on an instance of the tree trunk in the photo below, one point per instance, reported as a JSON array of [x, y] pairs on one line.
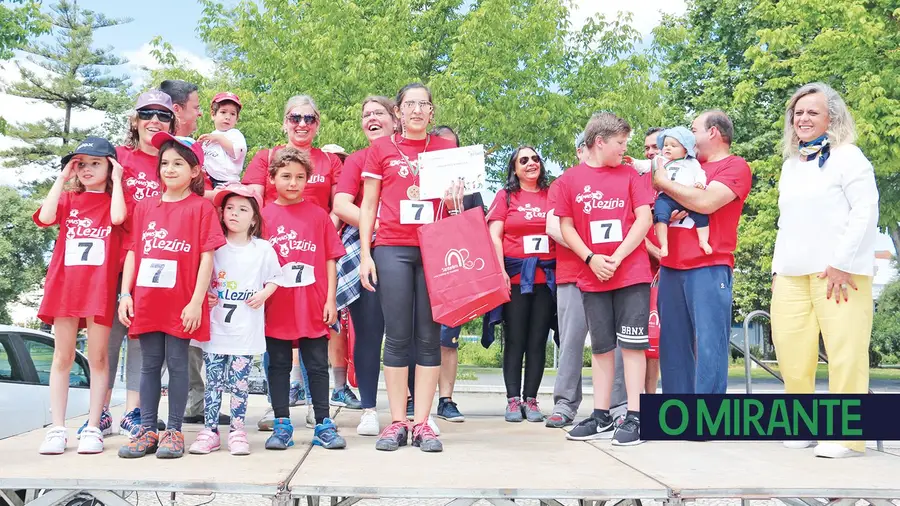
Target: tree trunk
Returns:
[[894, 231], [67, 124]]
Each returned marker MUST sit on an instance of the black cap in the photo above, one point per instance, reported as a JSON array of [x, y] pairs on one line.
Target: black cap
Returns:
[[92, 146]]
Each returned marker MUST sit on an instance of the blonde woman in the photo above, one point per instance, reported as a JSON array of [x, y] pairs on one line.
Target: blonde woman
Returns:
[[824, 253]]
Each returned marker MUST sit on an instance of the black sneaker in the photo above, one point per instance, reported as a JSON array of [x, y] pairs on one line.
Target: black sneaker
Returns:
[[592, 428], [392, 437], [410, 409], [425, 439], [629, 432], [448, 411]]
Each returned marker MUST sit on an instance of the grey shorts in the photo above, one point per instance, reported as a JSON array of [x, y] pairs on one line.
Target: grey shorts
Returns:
[[618, 316]]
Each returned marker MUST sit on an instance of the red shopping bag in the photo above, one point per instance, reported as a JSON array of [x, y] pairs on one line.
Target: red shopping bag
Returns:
[[462, 271], [347, 327], [653, 328]]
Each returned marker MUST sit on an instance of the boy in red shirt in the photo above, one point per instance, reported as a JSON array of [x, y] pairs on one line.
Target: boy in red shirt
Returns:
[[604, 211]]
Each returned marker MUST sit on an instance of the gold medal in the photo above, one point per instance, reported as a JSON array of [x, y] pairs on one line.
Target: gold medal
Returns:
[[413, 192]]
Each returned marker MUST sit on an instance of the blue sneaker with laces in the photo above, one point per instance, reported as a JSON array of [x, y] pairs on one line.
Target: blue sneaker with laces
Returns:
[[296, 395], [345, 398], [282, 436], [326, 436], [105, 423], [130, 425]]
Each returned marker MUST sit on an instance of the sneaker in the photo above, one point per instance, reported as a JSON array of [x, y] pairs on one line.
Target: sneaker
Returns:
[[194, 419], [145, 442], [434, 426], [368, 423], [238, 443], [532, 410], [592, 428], [171, 445], [629, 433], [310, 417], [207, 442], [448, 411], [297, 396], [345, 398], [410, 409], [282, 436], [514, 410], [105, 424], [91, 441], [161, 425], [130, 424], [54, 441], [392, 437], [835, 451], [267, 422], [798, 445], [425, 438], [558, 420], [224, 419], [327, 437]]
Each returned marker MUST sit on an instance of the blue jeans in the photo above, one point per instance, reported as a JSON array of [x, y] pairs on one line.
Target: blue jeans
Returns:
[[695, 329]]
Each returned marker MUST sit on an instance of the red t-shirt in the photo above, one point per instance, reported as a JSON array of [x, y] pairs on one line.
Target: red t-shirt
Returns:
[[83, 271], [139, 178], [684, 250], [568, 266], [326, 167], [601, 202], [350, 179], [524, 227], [651, 234], [167, 239], [400, 217], [304, 239]]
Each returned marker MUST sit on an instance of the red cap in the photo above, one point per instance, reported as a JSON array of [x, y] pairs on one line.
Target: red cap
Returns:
[[227, 95], [160, 138], [236, 189]]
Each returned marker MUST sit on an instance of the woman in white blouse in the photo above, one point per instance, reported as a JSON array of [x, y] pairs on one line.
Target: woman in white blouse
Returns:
[[824, 253]]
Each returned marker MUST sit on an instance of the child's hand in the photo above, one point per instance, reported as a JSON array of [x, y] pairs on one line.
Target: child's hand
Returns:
[[700, 186], [678, 216], [68, 171], [257, 300], [367, 274], [117, 170], [212, 138], [126, 310], [329, 315], [212, 299], [190, 317], [628, 160]]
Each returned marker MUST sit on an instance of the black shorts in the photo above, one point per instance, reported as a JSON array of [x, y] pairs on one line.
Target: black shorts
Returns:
[[618, 316]]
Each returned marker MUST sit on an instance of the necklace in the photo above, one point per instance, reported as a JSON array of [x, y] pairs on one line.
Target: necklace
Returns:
[[413, 191]]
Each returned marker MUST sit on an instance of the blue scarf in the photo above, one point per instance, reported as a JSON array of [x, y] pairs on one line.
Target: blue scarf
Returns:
[[817, 147]]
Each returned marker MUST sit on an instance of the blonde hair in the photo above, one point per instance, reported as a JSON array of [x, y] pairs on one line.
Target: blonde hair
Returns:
[[297, 101], [604, 125], [841, 127]]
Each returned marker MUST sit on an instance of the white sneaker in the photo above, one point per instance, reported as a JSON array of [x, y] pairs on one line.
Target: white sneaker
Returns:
[[434, 426], [368, 423], [54, 441], [91, 441], [267, 422], [310, 417], [798, 445], [835, 451]]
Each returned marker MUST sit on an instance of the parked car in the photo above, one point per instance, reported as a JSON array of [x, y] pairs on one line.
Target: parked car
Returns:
[[25, 359]]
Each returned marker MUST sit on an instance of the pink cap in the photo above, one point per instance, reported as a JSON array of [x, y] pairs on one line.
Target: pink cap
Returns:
[[154, 97], [161, 138], [227, 95], [236, 189]]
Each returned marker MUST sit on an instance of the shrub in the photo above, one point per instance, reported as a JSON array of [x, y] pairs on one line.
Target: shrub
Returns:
[[476, 355], [886, 325]]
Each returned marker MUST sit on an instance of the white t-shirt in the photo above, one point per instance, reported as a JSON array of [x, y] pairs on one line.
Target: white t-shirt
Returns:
[[218, 164], [238, 273], [686, 171]]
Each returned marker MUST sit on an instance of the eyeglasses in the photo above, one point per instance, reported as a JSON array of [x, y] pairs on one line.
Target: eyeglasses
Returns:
[[534, 158], [162, 116], [309, 119], [380, 114], [424, 104]]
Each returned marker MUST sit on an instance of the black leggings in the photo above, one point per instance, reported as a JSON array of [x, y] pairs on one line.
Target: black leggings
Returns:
[[404, 299], [158, 348], [314, 352], [368, 327], [527, 319]]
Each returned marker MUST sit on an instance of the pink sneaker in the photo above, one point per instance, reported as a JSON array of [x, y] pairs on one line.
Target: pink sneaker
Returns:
[[207, 441], [238, 443]]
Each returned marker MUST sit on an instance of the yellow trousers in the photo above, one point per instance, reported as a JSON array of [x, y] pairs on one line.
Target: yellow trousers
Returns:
[[799, 312]]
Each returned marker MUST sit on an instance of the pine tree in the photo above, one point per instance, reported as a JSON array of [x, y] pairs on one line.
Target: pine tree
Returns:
[[74, 77]]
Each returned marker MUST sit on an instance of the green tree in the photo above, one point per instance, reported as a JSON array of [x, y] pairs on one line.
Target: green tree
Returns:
[[23, 247], [886, 326], [74, 76], [19, 20]]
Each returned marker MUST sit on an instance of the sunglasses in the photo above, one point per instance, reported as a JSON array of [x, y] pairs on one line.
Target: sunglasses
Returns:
[[534, 158], [309, 119], [162, 116]]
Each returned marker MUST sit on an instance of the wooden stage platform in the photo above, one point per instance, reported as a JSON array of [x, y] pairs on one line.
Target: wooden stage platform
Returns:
[[484, 458]]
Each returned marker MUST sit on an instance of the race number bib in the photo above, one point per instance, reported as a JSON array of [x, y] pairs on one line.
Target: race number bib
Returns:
[[416, 212], [85, 252], [603, 231], [230, 312], [298, 274], [155, 273], [685, 222], [535, 244]]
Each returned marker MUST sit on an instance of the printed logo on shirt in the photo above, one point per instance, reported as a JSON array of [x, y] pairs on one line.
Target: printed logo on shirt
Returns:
[[285, 241], [316, 178], [81, 227], [154, 238], [532, 212], [594, 200], [403, 171], [228, 289], [457, 259], [142, 187]]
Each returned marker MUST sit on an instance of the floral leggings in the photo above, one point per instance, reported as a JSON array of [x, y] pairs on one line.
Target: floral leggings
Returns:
[[231, 372]]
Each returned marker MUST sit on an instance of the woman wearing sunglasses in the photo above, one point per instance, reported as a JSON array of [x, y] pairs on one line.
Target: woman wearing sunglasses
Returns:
[[517, 221]]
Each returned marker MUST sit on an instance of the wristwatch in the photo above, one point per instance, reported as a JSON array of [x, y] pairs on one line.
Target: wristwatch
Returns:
[[122, 296], [587, 260]]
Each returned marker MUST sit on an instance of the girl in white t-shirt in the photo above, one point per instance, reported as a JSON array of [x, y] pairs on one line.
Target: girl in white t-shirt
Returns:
[[245, 273]]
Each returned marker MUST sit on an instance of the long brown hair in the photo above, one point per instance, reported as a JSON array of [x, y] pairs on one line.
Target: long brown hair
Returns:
[[133, 137], [78, 186], [198, 183], [256, 229]]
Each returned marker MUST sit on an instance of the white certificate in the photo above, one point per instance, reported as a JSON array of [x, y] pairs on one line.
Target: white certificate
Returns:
[[439, 169]]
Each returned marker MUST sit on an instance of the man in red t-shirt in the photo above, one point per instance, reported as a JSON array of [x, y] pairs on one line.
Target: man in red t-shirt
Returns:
[[695, 288]]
